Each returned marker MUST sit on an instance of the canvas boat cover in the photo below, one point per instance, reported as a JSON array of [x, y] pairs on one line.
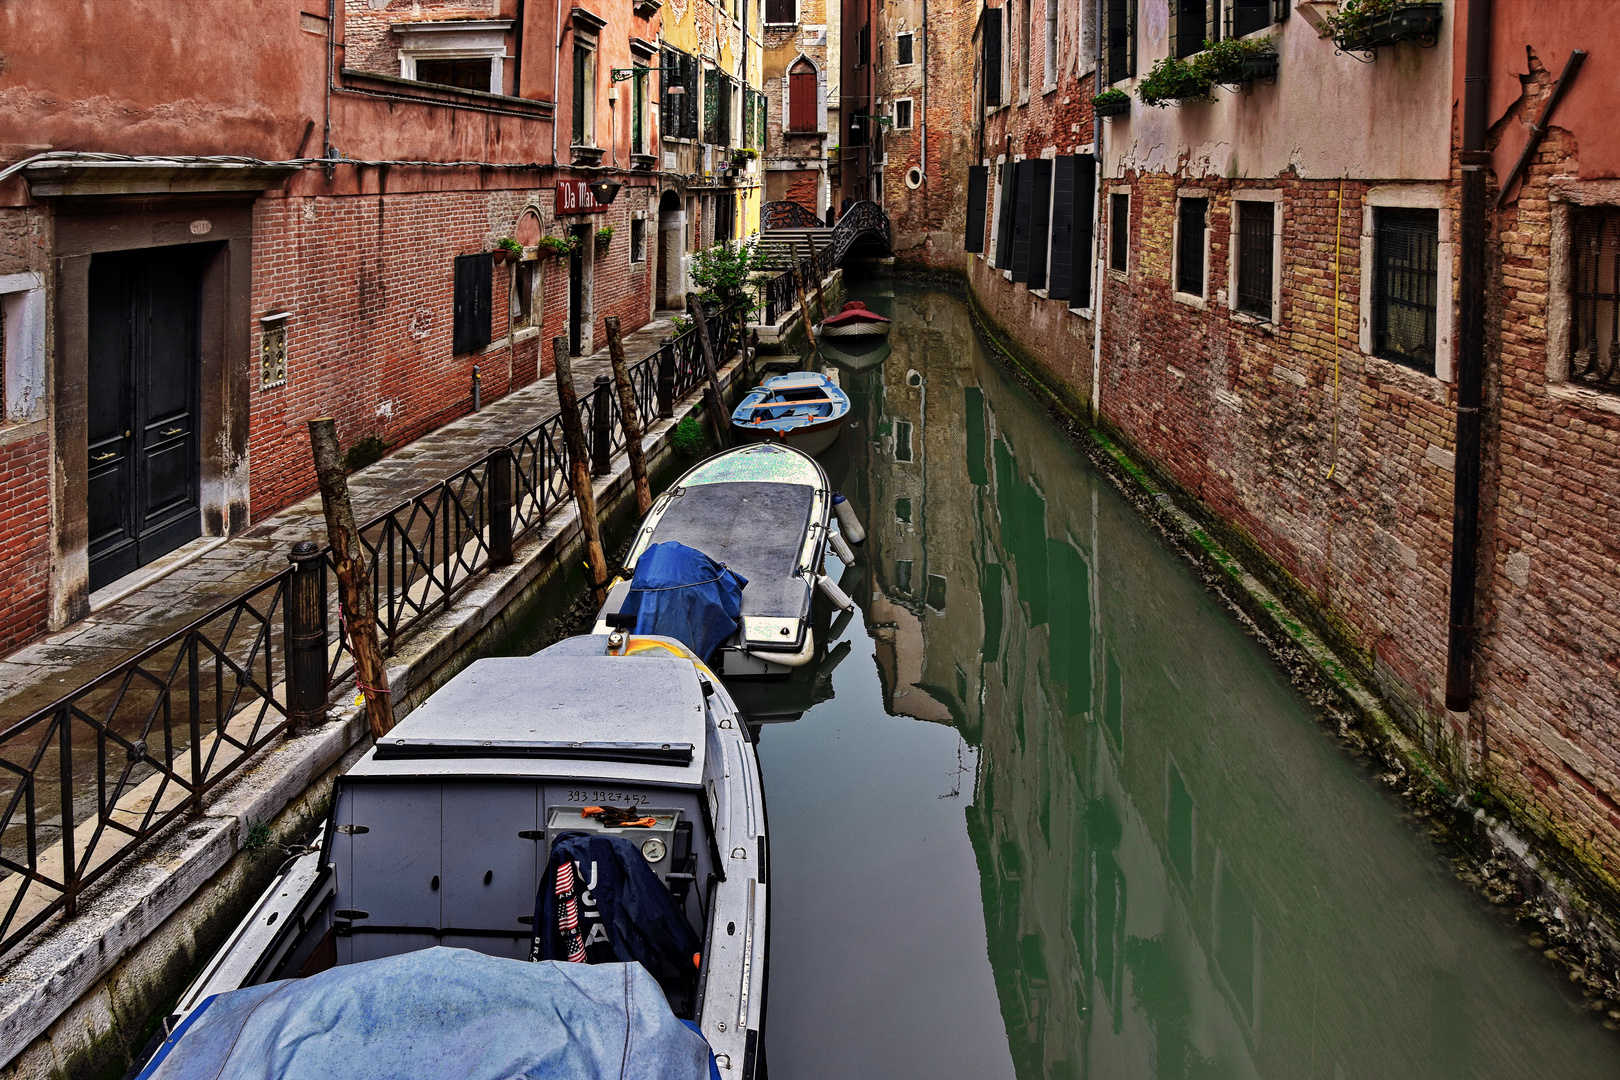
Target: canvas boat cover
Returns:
[[756, 529], [436, 1014], [680, 592]]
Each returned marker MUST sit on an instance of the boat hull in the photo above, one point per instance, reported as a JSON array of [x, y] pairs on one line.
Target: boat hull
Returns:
[[812, 439]]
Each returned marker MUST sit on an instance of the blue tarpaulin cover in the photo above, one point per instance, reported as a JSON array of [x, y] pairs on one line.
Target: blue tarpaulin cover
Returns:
[[439, 1014], [680, 592]]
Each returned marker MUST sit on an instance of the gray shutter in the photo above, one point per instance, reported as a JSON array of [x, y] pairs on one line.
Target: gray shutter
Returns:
[[1058, 283], [1130, 63], [1212, 20], [1004, 228], [1175, 27], [1040, 222], [978, 190], [1024, 185], [1085, 217], [992, 56]]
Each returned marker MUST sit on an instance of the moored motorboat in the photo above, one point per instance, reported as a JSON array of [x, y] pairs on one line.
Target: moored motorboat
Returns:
[[803, 409], [764, 512], [855, 320], [599, 801]]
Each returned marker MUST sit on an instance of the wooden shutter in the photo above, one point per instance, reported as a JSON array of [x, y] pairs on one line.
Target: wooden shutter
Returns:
[[1024, 185], [1004, 226], [992, 56], [1058, 282], [781, 12], [1279, 10], [802, 98], [473, 289], [1085, 206], [1212, 20], [978, 190], [1131, 7], [1040, 213]]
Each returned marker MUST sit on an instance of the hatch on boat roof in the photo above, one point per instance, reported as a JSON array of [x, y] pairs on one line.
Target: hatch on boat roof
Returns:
[[644, 710]]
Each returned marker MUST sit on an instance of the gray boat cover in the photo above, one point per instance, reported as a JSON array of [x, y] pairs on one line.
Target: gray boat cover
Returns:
[[756, 529], [435, 1015]]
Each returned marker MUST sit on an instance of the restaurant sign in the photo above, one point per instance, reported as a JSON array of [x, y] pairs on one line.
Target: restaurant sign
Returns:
[[574, 197]]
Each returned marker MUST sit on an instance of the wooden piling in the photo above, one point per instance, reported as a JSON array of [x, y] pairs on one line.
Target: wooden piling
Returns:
[[354, 582], [629, 417], [815, 270], [804, 308], [579, 469], [711, 393]]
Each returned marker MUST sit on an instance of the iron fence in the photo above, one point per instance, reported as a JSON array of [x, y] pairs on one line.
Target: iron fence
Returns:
[[85, 780]]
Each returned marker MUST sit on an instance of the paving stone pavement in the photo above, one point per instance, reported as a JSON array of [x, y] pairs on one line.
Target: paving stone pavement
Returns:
[[39, 674]]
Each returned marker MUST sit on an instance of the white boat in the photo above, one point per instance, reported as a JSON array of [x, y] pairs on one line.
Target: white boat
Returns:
[[616, 761], [766, 512]]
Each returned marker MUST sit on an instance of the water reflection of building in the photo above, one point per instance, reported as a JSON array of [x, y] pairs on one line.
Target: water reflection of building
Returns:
[[1180, 877]]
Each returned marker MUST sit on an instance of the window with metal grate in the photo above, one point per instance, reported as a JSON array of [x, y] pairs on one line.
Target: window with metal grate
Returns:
[[1406, 248], [1191, 218], [1119, 231], [1256, 230], [1594, 333]]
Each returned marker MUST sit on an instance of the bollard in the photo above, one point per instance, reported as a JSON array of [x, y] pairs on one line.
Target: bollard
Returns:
[[478, 390], [666, 379], [500, 508], [602, 426], [304, 621]]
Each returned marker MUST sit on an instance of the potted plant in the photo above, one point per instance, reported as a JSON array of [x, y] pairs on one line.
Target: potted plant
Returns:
[[741, 158], [1236, 61], [604, 236], [1173, 81], [1111, 103], [1364, 25], [507, 250], [558, 246]]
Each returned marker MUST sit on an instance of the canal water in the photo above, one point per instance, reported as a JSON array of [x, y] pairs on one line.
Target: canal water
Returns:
[[1043, 810]]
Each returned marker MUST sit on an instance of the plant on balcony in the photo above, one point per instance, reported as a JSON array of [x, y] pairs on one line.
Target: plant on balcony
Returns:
[[1236, 61], [1173, 81], [604, 236], [1111, 103], [1363, 25], [743, 156]]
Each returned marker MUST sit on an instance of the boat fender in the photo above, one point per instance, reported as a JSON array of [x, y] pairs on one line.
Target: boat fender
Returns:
[[841, 549], [831, 591], [847, 520]]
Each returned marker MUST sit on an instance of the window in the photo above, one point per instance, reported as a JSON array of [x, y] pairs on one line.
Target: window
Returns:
[[863, 46], [525, 277], [902, 575], [1256, 232], [902, 440], [1119, 32], [474, 277], [1192, 21], [935, 597], [1406, 285], [1594, 344], [679, 82], [1021, 57], [584, 96], [471, 74], [992, 57], [802, 93], [638, 240], [978, 190], [1190, 225], [1247, 16], [638, 115], [1119, 231], [781, 12], [902, 114], [717, 107], [1050, 80], [903, 49]]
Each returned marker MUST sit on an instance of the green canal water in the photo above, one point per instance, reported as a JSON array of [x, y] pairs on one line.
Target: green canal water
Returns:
[[1046, 811]]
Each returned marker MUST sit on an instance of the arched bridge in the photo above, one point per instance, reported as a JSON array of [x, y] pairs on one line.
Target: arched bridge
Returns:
[[788, 225]]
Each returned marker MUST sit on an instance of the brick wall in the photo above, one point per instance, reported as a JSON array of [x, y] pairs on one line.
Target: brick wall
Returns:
[[25, 551]]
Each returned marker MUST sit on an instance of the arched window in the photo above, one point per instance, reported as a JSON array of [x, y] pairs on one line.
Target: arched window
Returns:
[[802, 97]]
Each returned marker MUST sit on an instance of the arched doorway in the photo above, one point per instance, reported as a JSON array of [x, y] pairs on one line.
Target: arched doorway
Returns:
[[671, 282]]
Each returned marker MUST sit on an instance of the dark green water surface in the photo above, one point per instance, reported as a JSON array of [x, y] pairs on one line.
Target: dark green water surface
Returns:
[[1048, 812]]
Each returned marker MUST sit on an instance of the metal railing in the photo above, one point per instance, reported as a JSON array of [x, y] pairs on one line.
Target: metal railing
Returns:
[[783, 214], [778, 294], [86, 780]]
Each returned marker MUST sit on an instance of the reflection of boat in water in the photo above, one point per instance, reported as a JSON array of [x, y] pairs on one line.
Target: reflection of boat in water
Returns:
[[598, 801], [764, 512], [779, 701], [855, 353], [803, 409]]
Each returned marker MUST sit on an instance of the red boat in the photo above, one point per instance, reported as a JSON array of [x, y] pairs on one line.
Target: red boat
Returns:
[[856, 320]]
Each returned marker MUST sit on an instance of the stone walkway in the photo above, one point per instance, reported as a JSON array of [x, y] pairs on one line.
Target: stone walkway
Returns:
[[218, 569]]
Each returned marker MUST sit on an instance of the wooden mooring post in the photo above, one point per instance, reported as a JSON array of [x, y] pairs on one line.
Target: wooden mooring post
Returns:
[[354, 582], [629, 417], [804, 308], [711, 392], [579, 469], [815, 272]]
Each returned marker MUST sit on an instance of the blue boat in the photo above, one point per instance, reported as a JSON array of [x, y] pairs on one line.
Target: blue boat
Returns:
[[803, 409]]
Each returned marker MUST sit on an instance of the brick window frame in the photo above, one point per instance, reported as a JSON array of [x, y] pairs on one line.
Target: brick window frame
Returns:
[[1567, 194], [1255, 195], [1429, 196], [1197, 300]]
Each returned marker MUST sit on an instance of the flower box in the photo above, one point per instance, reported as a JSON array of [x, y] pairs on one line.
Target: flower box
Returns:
[[1409, 22], [1117, 106]]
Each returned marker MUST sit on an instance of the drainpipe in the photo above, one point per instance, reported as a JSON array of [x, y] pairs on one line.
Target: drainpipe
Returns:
[[924, 125], [1470, 370], [1099, 273], [556, 84]]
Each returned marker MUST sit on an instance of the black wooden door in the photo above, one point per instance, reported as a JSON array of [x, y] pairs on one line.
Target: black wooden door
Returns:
[[142, 422], [576, 291]]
